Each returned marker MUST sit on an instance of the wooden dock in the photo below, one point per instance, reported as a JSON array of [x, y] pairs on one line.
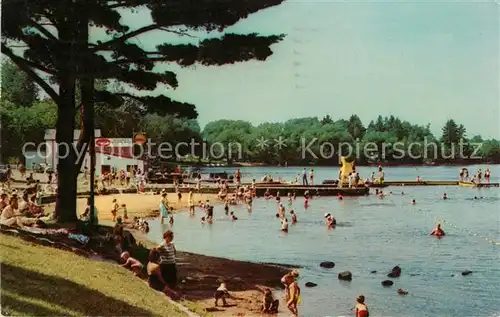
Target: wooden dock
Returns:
[[299, 190], [422, 183]]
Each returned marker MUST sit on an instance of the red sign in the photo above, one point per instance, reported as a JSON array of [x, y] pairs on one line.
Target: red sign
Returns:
[[140, 138], [102, 142]]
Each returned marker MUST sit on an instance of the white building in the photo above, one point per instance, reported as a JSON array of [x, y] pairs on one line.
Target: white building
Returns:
[[117, 153], [113, 153]]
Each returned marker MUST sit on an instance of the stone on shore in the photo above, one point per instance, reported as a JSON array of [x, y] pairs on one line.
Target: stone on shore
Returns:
[[345, 276], [327, 265]]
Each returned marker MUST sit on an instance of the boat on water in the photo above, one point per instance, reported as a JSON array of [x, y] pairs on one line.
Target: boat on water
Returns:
[[472, 184]]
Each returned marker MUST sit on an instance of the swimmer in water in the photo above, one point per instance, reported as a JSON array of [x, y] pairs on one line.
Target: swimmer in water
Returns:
[[306, 203], [413, 202], [340, 197], [278, 197], [202, 220], [293, 216], [438, 232], [444, 196], [171, 220], [294, 195], [233, 217], [267, 194], [330, 221], [281, 210], [284, 225]]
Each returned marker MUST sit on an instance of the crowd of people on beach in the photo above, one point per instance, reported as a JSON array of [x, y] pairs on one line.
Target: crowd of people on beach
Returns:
[[161, 270]]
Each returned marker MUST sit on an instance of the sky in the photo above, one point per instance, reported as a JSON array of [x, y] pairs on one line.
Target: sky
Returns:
[[423, 61]]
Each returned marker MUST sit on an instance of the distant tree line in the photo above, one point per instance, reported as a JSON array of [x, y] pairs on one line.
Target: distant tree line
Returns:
[[386, 139], [25, 116]]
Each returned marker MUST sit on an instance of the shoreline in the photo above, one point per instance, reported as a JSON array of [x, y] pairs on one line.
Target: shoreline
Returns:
[[200, 275]]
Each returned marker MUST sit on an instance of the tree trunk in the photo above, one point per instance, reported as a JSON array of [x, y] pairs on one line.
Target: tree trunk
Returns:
[[66, 173]]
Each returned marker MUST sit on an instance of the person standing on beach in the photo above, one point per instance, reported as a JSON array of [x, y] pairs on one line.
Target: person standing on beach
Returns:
[[294, 295], [191, 203], [238, 177], [168, 253], [304, 177]]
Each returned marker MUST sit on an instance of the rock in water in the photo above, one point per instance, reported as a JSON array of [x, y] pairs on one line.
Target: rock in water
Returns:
[[327, 264], [373, 272], [396, 272], [345, 276], [467, 272], [311, 284], [387, 283]]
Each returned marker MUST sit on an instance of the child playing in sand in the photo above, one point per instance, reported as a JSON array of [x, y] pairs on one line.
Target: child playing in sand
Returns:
[[269, 304], [361, 310], [131, 263], [222, 293]]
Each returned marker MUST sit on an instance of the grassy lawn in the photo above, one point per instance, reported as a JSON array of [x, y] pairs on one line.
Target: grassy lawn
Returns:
[[44, 281]]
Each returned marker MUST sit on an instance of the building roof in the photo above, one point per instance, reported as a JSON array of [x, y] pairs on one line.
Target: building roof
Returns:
[[50, 134]]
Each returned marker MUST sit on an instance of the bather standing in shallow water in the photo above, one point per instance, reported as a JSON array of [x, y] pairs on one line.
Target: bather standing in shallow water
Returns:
[[284, 225]]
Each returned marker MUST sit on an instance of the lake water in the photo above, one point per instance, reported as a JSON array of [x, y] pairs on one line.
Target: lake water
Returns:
[[372, 234]]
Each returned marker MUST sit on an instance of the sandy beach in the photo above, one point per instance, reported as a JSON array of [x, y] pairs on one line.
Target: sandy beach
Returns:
[[138, 205]]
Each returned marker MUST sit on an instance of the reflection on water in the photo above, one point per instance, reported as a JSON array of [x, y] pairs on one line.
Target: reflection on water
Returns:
[[372, 234]]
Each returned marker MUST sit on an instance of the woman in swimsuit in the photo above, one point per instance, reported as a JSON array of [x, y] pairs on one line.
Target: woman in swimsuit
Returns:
[[361, 309], [294, 295]]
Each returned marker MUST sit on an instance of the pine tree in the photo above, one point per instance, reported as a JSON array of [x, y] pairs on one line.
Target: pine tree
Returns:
[[58, 51]]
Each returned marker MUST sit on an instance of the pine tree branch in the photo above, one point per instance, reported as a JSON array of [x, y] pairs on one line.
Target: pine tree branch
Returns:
[[177, 32], [123, 38], [24, 65], [42, 30]]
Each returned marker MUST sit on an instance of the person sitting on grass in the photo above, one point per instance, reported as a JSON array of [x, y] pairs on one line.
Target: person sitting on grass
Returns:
[[124, 240], [132, 264], [270, 305], [222, 293], [155, 279]]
